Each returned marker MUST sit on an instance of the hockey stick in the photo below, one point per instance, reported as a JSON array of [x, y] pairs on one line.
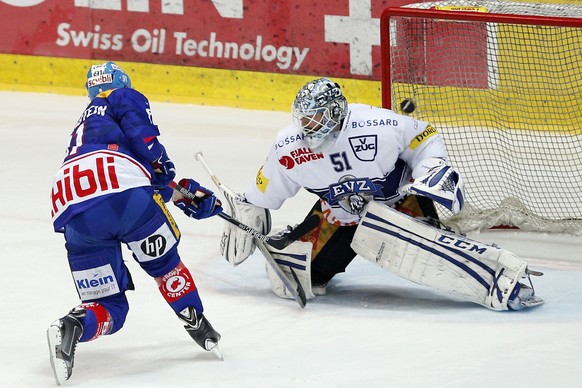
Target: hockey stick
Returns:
[[281, 242], [277, 242], [297, 291], [217, 182]]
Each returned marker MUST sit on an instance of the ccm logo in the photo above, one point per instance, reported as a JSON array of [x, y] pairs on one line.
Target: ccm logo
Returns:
[[465, 245]]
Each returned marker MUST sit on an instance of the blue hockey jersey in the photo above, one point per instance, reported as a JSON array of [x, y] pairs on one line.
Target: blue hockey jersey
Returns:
[[111, 150]]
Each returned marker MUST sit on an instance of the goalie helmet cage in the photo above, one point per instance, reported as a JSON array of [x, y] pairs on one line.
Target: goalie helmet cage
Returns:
[[502, 81]]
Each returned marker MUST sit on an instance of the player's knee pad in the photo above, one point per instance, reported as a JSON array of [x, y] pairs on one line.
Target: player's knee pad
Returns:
[[155, 245], [179, 290], [104, 317]]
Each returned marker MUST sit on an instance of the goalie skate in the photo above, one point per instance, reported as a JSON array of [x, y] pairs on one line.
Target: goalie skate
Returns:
[[523, 296]]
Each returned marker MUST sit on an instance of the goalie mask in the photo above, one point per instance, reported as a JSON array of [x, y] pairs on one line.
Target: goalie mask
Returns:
[[104, 77], [319, 109]]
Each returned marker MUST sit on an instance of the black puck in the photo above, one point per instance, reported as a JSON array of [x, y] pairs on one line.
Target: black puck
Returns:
[[407, 106]]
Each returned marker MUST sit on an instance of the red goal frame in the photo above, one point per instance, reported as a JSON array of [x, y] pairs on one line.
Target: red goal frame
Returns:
[[484, 17]]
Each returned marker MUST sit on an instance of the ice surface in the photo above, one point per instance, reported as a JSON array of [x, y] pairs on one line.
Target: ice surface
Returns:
[[371, 330]]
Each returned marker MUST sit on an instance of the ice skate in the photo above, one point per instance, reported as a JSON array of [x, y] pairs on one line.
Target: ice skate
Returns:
[[63, 336], [522, 297], [319, 288], [201, 330]]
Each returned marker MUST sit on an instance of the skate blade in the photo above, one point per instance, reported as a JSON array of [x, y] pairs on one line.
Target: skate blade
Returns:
[[212, 346], [57, 364], [533, 273], [533, 301]]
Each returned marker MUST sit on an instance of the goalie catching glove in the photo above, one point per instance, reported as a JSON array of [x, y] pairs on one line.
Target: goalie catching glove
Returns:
[[441, 183], [236, 245], [205, 205]]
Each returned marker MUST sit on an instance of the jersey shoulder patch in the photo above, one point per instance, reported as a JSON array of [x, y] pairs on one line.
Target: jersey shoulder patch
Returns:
[[428, 132]]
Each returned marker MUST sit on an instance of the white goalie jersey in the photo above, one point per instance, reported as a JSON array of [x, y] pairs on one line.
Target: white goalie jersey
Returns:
[[376, 152]]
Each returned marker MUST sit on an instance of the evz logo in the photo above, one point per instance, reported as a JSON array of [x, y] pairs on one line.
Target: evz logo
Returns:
[[154, 246], [365, 147], [328, 96], [351, 185]]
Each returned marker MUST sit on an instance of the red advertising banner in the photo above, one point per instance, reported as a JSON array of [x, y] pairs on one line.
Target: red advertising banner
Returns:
[[336, 38]]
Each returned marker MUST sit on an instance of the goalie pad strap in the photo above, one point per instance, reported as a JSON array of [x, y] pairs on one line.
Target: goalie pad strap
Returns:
[[474, 271]]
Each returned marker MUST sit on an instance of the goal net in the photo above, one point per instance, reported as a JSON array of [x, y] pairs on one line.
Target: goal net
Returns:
[[502, 81]]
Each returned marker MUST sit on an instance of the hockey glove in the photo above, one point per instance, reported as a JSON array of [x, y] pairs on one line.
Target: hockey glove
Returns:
[[205, 205], [443, 184], [236, 245], [164, 171]]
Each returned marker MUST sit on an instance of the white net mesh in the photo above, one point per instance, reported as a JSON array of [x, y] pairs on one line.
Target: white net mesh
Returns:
[[507, 98], [508, 7]]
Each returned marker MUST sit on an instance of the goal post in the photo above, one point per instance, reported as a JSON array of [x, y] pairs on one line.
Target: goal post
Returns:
[[502, 81]]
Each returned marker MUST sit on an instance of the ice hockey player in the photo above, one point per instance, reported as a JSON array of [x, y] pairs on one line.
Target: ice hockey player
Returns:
[[356, 157], [111, 190]]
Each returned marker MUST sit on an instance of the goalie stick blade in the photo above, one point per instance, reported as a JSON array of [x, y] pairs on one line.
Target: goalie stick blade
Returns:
[[300, 230], [297, 292]]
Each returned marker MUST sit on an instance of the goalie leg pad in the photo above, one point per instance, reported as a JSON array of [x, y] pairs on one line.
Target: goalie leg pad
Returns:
[[296, 257], [474, 271]]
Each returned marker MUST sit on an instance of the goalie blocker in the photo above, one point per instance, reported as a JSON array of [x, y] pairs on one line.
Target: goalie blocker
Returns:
[[481, 273]]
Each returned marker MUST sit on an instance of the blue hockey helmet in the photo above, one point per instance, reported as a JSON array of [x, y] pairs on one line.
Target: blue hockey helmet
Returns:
[[106, 76]]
